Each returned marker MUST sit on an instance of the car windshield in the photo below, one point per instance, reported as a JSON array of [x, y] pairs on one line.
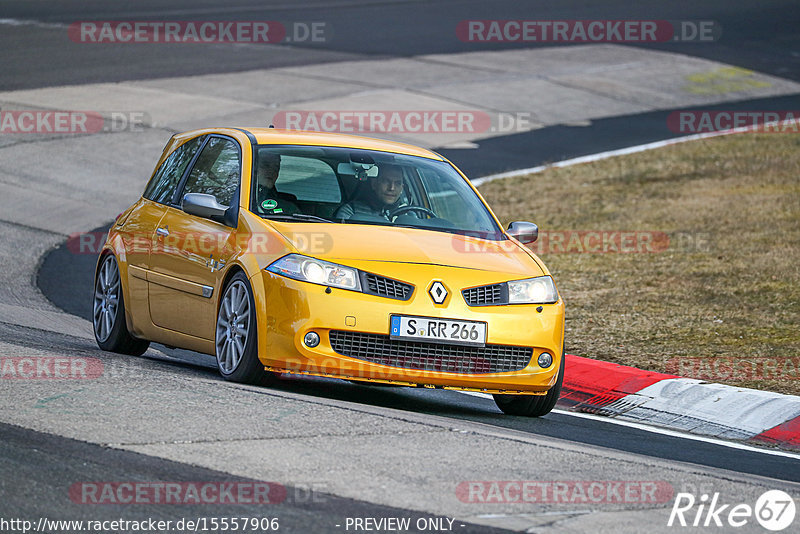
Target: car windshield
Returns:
[[353, 186]]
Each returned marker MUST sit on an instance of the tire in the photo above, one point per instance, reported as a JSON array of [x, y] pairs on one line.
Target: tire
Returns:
[[236, 335], [532, 405], [108, 312]]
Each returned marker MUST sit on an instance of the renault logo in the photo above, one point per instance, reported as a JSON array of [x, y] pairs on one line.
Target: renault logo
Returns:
[[438, 292]]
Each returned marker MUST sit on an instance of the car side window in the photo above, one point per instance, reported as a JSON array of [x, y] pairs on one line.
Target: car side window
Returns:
[[308, 179], [217, 171], [162, 186]]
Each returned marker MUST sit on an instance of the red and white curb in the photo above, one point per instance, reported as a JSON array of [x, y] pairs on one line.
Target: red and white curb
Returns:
[[668, 401], [682, 404]]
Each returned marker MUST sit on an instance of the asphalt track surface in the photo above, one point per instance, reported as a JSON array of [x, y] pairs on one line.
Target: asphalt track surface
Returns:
[[39, 465], [757, 35], [40, 458]]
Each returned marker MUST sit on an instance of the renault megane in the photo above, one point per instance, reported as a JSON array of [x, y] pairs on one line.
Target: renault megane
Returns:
[[331, 255]]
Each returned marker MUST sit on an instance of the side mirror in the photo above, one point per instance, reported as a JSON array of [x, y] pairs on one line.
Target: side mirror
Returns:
[[524, 232], [203, 205]]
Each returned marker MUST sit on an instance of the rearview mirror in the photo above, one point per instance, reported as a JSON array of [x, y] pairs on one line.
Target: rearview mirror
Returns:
[[359, 170], [524, 232], [203, 205]]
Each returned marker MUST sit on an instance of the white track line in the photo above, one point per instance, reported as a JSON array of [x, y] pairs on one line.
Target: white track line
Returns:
[[621, 152], [677, 434], [29, 22], [659, 430]]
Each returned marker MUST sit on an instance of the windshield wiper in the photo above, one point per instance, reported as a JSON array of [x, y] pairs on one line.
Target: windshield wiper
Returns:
[[299, 217]]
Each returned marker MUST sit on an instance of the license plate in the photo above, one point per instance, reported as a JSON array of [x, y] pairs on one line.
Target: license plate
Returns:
[[438, 330]]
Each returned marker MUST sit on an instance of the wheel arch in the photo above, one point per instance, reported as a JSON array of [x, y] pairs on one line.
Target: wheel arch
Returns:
[[230, 273]]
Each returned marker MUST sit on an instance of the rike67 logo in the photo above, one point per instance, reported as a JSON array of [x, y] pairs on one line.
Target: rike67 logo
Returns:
[[774, 510]]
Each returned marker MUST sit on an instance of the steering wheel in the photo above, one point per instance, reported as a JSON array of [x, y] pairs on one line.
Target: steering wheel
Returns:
[[403, 209]]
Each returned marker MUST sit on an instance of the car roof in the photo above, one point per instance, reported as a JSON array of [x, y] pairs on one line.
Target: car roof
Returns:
[[276, 136]]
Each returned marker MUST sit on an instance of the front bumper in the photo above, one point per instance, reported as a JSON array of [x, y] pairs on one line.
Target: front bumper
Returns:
[[354, 327]]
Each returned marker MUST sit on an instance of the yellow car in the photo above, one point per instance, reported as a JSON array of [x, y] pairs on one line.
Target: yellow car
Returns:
[[331, 255]]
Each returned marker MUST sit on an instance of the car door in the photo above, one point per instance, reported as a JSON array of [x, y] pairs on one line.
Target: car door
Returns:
[[190, 251], [138, 228]]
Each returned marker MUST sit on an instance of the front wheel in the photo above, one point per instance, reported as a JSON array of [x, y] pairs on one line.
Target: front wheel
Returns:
[[236, 337], [532, 405], [108, 312]]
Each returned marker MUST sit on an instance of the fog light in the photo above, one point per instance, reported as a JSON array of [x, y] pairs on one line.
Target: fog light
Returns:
[[545, 360], [311, 339]]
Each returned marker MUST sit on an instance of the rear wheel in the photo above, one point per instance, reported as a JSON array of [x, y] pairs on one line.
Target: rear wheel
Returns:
[[237, 335], [108, 312], [532, 405]]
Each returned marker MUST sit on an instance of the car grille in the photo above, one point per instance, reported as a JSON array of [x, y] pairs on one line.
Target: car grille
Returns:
[[387, 287], [425, 356], [486, 295]]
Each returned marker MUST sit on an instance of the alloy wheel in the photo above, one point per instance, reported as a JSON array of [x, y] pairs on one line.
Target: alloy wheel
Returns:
[[233, 326], [106, 298]]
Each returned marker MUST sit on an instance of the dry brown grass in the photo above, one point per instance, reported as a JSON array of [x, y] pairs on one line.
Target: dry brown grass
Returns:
[[727, 288]]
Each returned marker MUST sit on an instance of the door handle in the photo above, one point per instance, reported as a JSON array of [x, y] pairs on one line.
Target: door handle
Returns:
[[163, 232]]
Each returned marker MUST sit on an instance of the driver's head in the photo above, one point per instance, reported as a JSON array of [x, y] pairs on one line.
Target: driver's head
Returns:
[[269, 165], [388, 185]]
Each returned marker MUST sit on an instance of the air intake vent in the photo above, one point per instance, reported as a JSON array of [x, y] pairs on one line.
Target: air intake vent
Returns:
[[464, 359], [486, 295], [386, 287]]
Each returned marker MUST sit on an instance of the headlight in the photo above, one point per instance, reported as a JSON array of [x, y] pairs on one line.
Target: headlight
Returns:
[[316, 271], [539, 290]]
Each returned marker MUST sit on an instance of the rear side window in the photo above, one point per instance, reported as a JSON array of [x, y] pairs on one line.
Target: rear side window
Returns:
[[162, 185], [216, 171], [308, 179]]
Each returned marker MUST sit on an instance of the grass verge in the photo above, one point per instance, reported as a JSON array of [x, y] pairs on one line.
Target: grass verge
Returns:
[[711, 289]]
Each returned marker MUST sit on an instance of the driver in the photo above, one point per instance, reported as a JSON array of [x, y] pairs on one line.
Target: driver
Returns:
[[381, 197]]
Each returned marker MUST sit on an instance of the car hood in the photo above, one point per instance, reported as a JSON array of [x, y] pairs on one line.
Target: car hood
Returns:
[[342, 243]]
